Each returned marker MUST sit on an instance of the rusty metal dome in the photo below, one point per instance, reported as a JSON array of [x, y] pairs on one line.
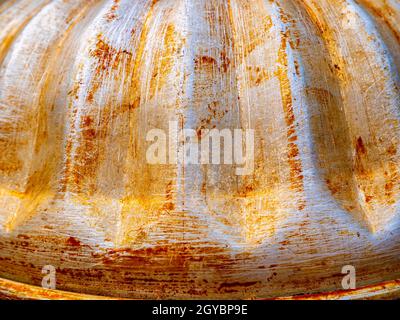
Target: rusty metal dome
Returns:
[[82, 82]]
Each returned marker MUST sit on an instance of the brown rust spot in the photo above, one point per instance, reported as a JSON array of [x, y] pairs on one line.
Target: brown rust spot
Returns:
[[204, 60], [333, 187], [360, 147], [392, 182], [392, 150], [225, 62], [71, 241], [211, 64], [297, 67], [177, 255]]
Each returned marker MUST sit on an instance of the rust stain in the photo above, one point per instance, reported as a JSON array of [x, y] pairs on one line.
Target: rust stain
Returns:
[[81, 169], [296, 176], [169, 197], [256, 36], [291, 37], [215, 114], [360, 148], [392, 177], [178, 269], [108, 58], [206, 64], [236, 286], [112, 15], [135, 97], [257, 75], [333, 187], [392, 150], [87, 156], [225, 62], [165, 59], [205, 60], [72, 241], [297, 67], [210, 64]]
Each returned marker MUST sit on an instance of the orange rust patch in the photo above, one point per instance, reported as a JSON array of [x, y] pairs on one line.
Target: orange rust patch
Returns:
[[225, 61], [392, 150], [257, 75], [138, 61], [9, 161], [368, 199], [392, 180], [211, 64], [246, 190], [112, 64], [169, 204], [206, 63], [87, 153], [108, 58], [366, 173], [10, 143], [204, 60], [111, 15]]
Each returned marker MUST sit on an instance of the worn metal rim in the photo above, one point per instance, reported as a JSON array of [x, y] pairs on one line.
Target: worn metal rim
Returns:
[[15, 290]]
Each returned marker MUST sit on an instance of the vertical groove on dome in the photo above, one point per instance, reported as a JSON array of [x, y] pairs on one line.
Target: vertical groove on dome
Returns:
[[260, 202], [155, 208], [387, 17], [99, 106], [13, 19], [28, 135], [370, 92], [208, 186], [83, 82]]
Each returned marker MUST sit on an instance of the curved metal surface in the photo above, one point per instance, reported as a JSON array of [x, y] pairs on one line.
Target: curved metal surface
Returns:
[[83, 82]]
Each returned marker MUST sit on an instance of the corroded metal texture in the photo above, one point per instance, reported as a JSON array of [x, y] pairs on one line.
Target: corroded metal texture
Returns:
[[11, 290], [81, 82]]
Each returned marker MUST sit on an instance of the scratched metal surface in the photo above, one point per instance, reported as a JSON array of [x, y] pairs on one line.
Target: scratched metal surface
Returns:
[[81, 82]]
